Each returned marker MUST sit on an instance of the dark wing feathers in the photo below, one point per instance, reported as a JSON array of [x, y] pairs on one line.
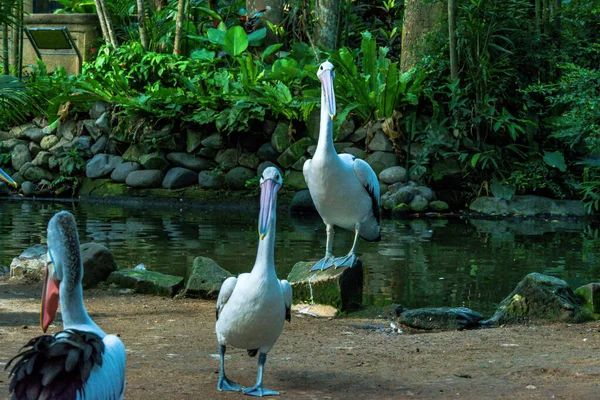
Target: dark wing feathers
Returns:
[[288, 314], [375, 204], [54, 367]]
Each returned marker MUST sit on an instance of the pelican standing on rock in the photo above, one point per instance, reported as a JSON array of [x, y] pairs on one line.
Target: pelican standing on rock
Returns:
[[252, 308], [344, 188], [80, 362], [6, 178]]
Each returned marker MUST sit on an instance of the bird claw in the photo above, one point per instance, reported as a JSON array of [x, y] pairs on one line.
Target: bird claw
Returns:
[[323, 264], [225, 385], [259, 391], [345, 261]]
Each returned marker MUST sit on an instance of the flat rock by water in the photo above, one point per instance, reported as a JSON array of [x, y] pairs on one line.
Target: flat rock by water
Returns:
[[147, 178], [98, 264], [179, 177], [148, 282], [205, 279], [340, 288], [440, 318], [30, 264], [102, 165], [122, 170]]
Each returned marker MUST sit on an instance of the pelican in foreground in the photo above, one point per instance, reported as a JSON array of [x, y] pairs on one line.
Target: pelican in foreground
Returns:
[[251, 308], [6, 178], [344, 188], [80, 362]]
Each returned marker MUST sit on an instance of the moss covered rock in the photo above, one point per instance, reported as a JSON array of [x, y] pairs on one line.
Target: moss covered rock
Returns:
[[205, 279], [540, 297], [590, 294], [340, 288], [148, 282]]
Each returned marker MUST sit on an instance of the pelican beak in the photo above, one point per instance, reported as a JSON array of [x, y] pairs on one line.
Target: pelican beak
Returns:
[[6, 178], [327, 85], [268, 195], [50, 296]]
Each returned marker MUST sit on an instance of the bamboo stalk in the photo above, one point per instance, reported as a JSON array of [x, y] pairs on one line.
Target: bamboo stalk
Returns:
[[179, 27]]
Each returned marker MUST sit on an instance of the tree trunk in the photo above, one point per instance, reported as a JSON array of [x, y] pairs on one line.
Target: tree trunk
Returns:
[[420, 19], [179, 27], [538, 18], [326, 28], [142, 23], [5, 60], [102, 21], [452, 37], [109, 25]]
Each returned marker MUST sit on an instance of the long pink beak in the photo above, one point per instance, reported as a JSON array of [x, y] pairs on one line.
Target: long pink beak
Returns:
[[268, 192], [50, 298], [327, 86]]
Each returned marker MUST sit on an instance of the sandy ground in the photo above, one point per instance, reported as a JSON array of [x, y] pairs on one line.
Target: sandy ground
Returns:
[[171, 354]]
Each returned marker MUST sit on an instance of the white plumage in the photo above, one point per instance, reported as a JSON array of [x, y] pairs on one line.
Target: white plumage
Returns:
[[344, 189], [252, 308]]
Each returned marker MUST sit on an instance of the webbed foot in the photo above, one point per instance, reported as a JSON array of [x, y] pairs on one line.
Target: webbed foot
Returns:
[[225, 385], [345, 261], [323, 263], [259, 391]]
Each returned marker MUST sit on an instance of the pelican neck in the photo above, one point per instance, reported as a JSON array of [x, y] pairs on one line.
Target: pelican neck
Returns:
[[325, 143]]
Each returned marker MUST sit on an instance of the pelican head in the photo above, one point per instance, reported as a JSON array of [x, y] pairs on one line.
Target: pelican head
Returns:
[[6, 178], [326, 75], [270, 182], [64, 263]]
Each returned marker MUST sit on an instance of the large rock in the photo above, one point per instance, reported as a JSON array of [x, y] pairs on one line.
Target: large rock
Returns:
[[100, 145], [83, 145], [148, 178], [227, 159], [19, 132], [8, 145], [294, 152], [381, 160], [590, 294], [98, 108], [34, 149], [393, 175], [527, 206], [98, 264], [154, 160], [30, 264], [295, 180], [122, 170], [34, 134], [89, 126], [66, 129], [19, 156], [280, 139], [418, 204], [358, 135], [214, 141], [205, 279], [211, 179], [189, 161], [249, 160], [267, 152], [48, 142], [302, 201], [380, 142], [442, 318], [103, 123], [237, 177], [179, 177], [149, 282], [59, 147], [340, 288], [102, 165], [539, 297], [36, 174]]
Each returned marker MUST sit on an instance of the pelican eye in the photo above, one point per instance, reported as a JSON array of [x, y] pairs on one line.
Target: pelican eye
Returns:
[[277, 176], [321, 68]]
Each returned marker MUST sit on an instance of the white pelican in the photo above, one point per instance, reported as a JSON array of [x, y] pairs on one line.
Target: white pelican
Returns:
[[6, 178], [344, 188], [80, 362], [251, 308]]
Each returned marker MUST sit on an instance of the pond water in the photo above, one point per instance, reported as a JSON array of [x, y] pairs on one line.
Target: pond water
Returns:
[[418, 263]]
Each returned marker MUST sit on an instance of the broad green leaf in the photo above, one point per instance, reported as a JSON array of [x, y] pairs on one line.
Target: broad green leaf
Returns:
[[209, 12], [556, 160], [203, 54], [216, 36], [505, 192], [270, 50], [235, 41], [474, 159], [255, 38]]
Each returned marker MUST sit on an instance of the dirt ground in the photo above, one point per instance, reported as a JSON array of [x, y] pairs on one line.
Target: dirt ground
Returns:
[[172, 354]]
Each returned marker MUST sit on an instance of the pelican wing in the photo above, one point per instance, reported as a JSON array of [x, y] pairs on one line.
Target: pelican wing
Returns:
[[366, 176], [287, 298], [225, 292], [306, 170], [56, 366]]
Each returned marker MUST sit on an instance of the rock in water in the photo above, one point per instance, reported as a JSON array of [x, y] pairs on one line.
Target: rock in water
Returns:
[[205, 279], [30, 264], [442, 318], [340, 288], [147, 281], [542, 297], [98, 263]]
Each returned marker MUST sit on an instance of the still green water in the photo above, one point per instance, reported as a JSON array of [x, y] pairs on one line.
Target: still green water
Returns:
[[418, 263]]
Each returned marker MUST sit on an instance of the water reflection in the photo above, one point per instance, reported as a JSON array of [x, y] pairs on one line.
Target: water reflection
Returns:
[[418, 262]]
